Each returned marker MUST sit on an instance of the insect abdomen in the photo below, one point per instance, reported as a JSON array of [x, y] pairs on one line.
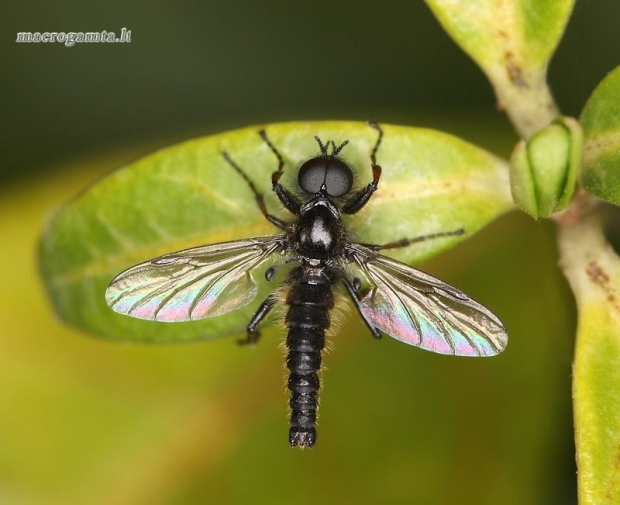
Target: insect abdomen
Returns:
[[310, 300]]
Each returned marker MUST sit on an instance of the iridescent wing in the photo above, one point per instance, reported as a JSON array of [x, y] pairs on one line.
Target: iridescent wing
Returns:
[[192, 284], [420, 310]]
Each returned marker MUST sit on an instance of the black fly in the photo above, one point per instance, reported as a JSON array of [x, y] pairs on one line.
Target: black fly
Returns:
[[402, 302]]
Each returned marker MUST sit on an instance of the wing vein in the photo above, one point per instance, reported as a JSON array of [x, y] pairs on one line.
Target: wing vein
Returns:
[[172, 287], [420, 310]]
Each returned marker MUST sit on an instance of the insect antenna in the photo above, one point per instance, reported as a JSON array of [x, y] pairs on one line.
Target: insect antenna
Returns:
[[336, 150], [322, 146]]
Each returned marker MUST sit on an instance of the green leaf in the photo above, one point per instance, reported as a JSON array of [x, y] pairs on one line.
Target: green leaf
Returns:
[[188, 195], [512, 42], [600, 120], [593, 270]]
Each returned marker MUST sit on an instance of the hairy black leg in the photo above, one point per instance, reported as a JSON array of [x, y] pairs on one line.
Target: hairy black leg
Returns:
[[290, 201], [408, 241], [260, 200], [263, 135], [253, 335], [353, 289], [359, 199]]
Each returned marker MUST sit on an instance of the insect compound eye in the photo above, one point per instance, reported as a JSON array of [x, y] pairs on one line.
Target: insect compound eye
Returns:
[[334, 173], [312, 175], [338, 178]]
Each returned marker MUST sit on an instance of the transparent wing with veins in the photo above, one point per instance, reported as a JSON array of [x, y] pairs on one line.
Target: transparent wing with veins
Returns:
[[420, 310], [196, 283]]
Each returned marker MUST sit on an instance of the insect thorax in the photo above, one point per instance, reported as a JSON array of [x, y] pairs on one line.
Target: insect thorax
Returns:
[[320, 234]]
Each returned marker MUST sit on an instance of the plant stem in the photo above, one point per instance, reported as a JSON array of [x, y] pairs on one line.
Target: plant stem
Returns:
[[593, 271], [526, 98]]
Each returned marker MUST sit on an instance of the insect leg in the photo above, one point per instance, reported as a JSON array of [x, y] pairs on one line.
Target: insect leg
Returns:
[[290, 201], [253, 335], [260, 200], [373, 154], [354, 294], [408, 241], [359, 199]]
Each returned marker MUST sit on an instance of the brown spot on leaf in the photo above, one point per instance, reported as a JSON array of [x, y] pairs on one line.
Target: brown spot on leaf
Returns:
[[597, 274], [514, 71], [503, 15]]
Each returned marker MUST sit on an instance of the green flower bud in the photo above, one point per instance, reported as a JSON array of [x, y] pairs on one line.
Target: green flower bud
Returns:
[[543, 170]]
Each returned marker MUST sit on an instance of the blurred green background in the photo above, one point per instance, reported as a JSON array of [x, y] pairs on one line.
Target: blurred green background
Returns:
[[84, 421]]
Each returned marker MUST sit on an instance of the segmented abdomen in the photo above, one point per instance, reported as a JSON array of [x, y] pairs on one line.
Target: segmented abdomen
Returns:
[[309, 299]]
